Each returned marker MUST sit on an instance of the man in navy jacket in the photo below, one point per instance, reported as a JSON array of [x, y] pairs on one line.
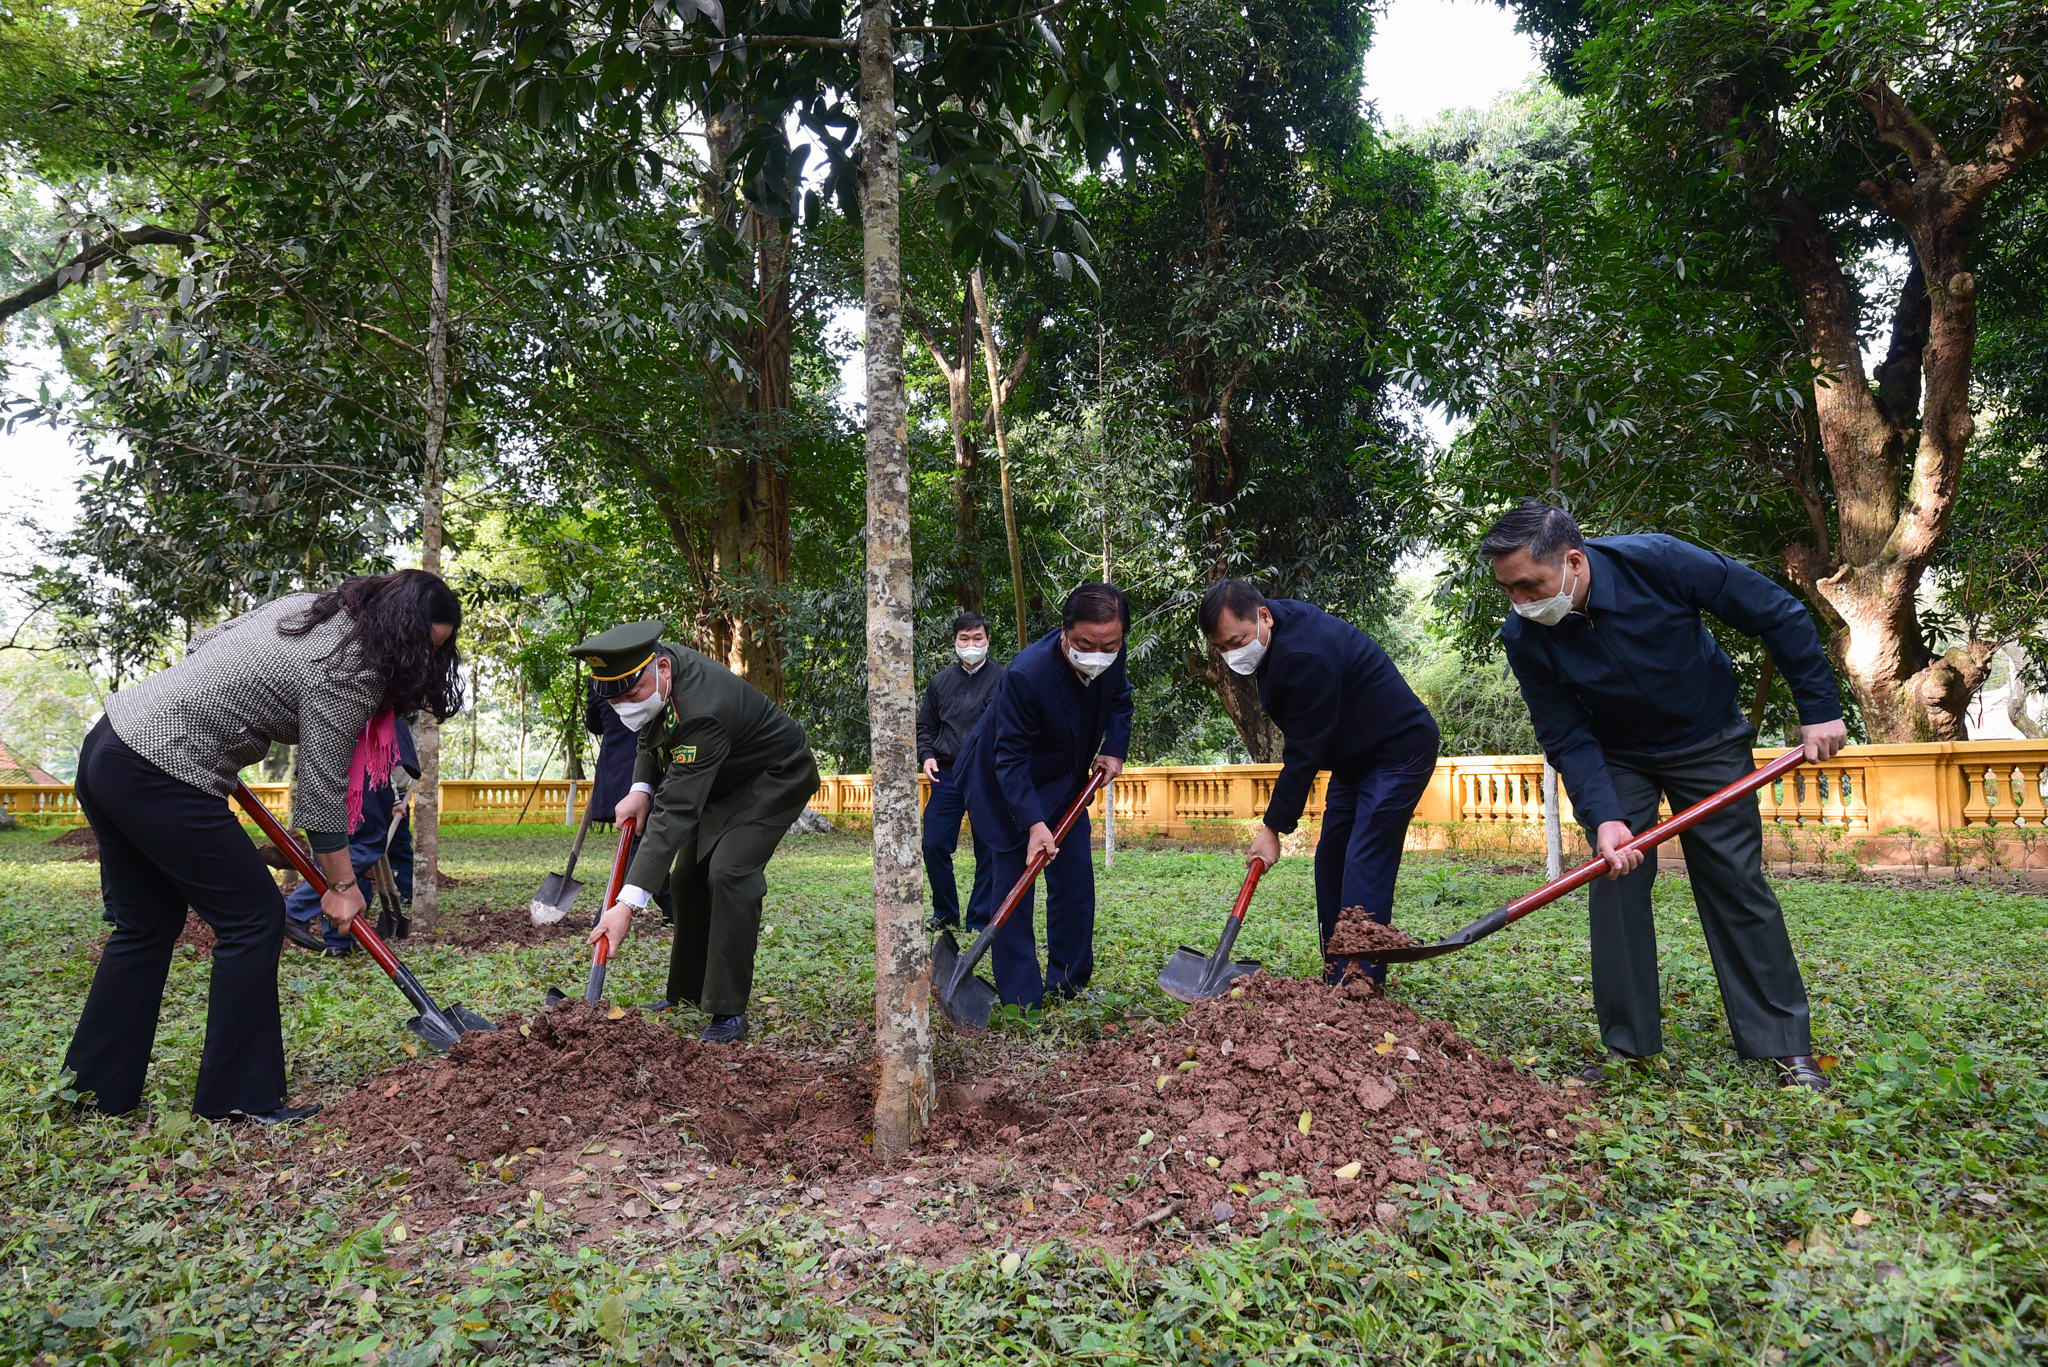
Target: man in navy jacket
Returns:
[[1062, 709], [1633, 700], [1343, 707]]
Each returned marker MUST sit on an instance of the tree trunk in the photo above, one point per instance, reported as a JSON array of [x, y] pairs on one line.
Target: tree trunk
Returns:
[[1239, 694], [995, 412], [903, 968], [426, 900], [1893, 516]]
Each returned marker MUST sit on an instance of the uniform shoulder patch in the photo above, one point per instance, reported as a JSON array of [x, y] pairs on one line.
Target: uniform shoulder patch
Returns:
[[686, 754]]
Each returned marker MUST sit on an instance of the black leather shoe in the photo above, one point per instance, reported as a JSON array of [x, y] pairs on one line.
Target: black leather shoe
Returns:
[[725, 1029], [656, 1007], [1800, 1070], [1615, 1060], [936, 923], [283, 1115], [302, 934]]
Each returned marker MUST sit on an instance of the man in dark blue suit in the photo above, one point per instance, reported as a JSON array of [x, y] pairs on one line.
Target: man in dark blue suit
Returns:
[[1062, 709], [1343, 707]]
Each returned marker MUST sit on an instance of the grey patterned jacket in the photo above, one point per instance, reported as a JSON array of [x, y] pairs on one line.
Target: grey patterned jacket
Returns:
[[240, 688]]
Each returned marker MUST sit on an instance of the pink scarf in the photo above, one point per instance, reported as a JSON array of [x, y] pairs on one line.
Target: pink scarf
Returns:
[[370, 767]]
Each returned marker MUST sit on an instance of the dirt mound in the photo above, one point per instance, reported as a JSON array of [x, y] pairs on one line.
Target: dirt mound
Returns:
[[197, 935], [82, 839], [1350, 1092], [486, 926], [1357, 934], [571, 1075]]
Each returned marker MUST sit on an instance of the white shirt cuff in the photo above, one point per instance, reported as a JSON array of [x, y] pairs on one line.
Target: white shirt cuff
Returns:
[[634, 897], [643, 787]]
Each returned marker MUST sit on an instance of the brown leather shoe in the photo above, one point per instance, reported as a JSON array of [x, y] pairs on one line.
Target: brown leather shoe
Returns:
[[1800, 1070]]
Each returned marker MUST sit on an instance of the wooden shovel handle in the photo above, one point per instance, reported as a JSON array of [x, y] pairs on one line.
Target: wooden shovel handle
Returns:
[[1096, 778]]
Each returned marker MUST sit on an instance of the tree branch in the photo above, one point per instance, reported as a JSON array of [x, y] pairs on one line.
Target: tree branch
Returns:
[[984, 28], [82, 265]]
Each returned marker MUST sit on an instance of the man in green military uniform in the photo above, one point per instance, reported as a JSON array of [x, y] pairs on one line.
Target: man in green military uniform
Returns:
[[722, 772]]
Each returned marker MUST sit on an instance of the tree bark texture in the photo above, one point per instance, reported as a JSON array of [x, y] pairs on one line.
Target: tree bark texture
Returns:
[[1895, 448], [952, 351], [426, 899], [904, 1087], [993, 362]]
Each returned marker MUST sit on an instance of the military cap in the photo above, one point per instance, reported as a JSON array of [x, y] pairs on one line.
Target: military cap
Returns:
[[617, 656]]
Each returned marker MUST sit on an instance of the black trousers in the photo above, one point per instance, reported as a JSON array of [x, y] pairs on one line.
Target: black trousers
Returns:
[[1761, 989], [164, 845]]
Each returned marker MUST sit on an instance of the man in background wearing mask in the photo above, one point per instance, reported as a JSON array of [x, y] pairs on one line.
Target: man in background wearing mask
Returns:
[[1342, 706], [1634, 700], [1061, 709], [953, 703], [722, 773]]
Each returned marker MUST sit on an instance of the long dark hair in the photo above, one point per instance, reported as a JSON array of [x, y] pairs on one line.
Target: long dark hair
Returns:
[[391, 634]]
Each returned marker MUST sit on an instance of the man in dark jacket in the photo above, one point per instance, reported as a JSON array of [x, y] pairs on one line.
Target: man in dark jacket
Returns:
[[722, 773], [1634, 700], [386, 829], [1342, 706], [1062, 709], [953, 703]]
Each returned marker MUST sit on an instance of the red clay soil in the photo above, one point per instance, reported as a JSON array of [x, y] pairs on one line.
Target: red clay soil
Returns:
[[483, 927], [1358, 935], [82, 839], [196, 934], [1288, 1080]]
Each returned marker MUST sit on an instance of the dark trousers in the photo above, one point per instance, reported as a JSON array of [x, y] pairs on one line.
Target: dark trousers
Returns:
[[1745, 928], [365, 847], [1365, 828], [165, 844], [1069, 923], [718, 917], [942, 816]]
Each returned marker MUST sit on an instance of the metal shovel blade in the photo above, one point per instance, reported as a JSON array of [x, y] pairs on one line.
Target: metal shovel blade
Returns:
[[557, 894], [442, 1029], [970, 1002], [554, 998], [1191, 976]]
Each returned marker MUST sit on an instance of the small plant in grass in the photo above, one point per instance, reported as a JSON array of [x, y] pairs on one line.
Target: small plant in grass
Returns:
[[2028, 837], [1991, 842], [1955, 848], [1849, 863], [1915, 842]]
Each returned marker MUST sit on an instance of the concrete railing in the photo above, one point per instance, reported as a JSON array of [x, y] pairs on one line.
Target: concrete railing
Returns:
[[1866, 789]]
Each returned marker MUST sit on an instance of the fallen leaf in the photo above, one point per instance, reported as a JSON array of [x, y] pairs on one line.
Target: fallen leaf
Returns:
[[526, 1030], [1144, 1139], [635, 1209], [1011, 1262], [1237, 992], [1028, 1206], [596, 1146], [1828, 1062], [411, 1050], [617, 1013], [1390, 1037], [1213, 1161], [671, 1186], [1550, 1134], [1795, 1245], [1303, 1123], [1411, 1055], [1861, 1217], [1161, 1084], [398, 1233], [1984, 1198], [1349, 1172], [507, 1174]]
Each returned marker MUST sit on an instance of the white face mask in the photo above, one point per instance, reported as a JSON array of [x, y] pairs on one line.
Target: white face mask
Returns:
[[1090, 663], [1554, 609], [971, 655], [638, 714], [1245, 659]]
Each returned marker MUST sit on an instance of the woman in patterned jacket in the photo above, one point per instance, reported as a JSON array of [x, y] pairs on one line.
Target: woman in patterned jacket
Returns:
[[327, 673]]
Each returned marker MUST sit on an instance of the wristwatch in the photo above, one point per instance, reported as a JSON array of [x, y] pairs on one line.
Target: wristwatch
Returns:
[[341, 887]]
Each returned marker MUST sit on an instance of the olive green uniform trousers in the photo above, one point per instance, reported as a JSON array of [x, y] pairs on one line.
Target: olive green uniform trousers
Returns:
[[718, 915]]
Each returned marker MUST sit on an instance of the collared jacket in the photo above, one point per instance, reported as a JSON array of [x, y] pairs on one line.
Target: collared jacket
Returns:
[[244, 686], [1639, 672], [1036, 742], [953, 703], [1338, 700], [617, 751], [719, 755]]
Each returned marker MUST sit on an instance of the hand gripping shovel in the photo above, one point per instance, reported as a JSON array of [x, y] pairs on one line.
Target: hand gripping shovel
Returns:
[[1191, 976], [558, 890], [440, 1026], [1587, 872], [969, 1001], [593, 986]]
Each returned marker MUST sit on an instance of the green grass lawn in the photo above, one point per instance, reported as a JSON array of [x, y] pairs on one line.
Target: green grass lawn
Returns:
[[1898, 1219]]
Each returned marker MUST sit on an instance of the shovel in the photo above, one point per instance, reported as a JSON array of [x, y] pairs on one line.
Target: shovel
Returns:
[[439, 1026], [593, 986], [558, 890], [1191, 976], [969, 1001], [1594, 868]]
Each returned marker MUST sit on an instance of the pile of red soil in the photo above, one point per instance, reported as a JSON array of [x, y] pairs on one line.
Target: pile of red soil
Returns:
[[82, 839], [197, 935], [570, 1075], [1368, 1108], [487, 926], [1358, 935]]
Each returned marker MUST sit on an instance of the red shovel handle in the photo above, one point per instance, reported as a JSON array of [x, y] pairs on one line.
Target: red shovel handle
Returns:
[[628, 829], [1096, 779], [1244, 894], [303, 862]]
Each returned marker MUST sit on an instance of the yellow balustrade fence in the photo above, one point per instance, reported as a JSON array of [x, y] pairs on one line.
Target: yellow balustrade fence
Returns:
[[1866, 791]]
